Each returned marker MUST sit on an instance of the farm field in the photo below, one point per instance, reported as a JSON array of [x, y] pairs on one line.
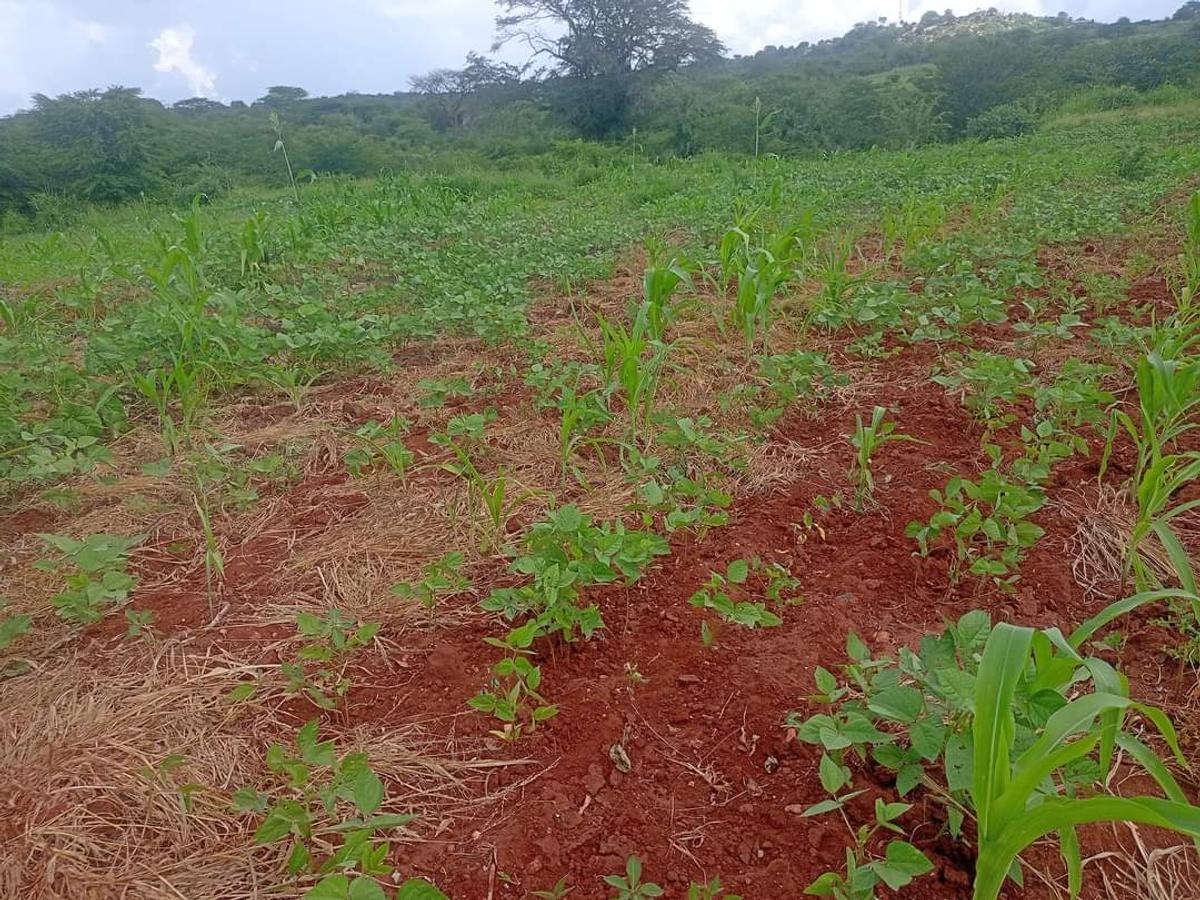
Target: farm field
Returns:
[[487, 530]]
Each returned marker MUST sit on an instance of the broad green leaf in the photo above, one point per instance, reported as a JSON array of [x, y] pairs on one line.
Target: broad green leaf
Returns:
[[928, 738], [826, 885], [364, 888], [331, 887], [900, 703], [738, 571], [824, 806], [368, 792], [958, 762], [833, 775]]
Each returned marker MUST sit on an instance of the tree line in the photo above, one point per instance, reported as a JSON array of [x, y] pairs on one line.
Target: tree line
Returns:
[[637, 73]]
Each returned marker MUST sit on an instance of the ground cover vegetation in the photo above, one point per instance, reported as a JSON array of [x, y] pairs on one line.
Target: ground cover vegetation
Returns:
[[626, 527]]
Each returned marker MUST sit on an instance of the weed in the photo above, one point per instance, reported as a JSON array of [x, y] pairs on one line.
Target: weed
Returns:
[[319, 671], [443, 578], [709, 890], [557, 892], [12, 627], [380, 442], [138, 623], [437, 392]]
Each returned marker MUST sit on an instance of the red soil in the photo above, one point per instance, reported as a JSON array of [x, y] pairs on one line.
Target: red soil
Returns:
[[716, 782]]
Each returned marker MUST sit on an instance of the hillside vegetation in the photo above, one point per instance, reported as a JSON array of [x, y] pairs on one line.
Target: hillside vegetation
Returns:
[[881, 85]]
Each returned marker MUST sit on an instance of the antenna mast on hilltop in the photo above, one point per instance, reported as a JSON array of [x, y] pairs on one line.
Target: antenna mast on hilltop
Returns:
[[900, 10]]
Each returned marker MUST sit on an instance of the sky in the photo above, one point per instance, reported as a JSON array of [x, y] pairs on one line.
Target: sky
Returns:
[[234, 49]]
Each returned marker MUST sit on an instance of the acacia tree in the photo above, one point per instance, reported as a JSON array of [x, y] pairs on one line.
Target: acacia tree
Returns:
[[597, 46], [450, 96]]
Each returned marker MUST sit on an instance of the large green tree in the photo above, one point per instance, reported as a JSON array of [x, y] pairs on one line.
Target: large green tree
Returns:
[[596, 47], [97, 142]]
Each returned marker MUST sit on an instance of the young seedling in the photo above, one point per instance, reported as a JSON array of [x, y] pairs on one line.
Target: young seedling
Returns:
[[96, 578], [709, 890], [214, 559], [513, 696], [308, 807], [320, 668], [866, 440], [138, 623], [381, 441], [557, 892], [443, 578], [900, 863], [716, 595], [630, 885], [13, 627]]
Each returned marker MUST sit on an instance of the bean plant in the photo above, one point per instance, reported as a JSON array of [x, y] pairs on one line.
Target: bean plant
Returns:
[[1022, 727]]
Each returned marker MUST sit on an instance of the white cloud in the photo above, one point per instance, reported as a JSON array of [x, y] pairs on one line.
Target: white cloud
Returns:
[[174, 46], [92, 32]]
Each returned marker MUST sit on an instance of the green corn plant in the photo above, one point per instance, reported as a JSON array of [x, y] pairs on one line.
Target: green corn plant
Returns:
[[761, 280], [492, 493], [1018, 795], [294, 381], [866, 440], [252, 250], [1191, 258], [832, 268], [581, 414], [1168, 399], [762, 121], [632, 364], [733, 253], [659, 285], [214, 560], [1011, 725], [183, 387]]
